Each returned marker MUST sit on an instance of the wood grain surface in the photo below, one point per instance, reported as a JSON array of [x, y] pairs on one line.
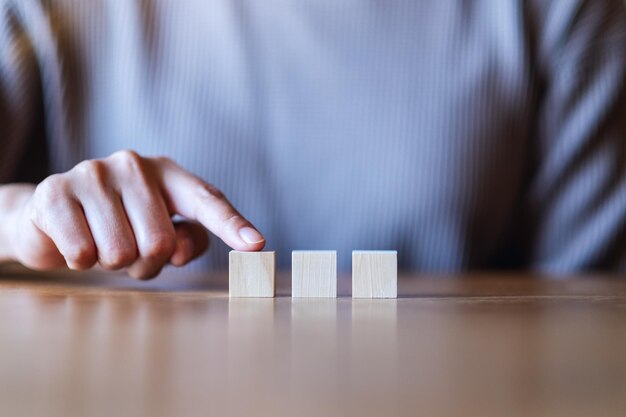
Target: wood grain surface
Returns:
[[374, 274], [479, 345], [314, 274], [252, 274]]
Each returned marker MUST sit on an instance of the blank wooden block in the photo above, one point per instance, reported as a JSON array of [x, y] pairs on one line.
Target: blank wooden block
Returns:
[[374, 274], [252, 274], [314, 274]]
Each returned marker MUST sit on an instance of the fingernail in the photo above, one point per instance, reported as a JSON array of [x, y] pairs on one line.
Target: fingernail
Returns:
[[250, 235]]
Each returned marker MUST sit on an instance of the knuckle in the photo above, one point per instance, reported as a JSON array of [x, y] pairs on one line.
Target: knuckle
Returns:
[[50, 189], [117, 259], [161, 247], [232, 221], [83, 255], [86, 167], [164, 160], [125, 154], [94, 171], [209, 191], [48, 194], [129, 160]]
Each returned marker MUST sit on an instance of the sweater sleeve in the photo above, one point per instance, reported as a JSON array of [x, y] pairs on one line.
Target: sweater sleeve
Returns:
[[20, 94], [577, 194]]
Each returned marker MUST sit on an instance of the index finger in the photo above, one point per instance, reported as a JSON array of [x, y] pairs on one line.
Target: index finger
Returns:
[[198, 200]]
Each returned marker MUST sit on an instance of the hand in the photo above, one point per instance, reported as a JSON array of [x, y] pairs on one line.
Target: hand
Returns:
[[117, 212]]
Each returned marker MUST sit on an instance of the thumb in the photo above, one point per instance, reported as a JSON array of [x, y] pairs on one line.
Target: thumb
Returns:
[[192, 240]]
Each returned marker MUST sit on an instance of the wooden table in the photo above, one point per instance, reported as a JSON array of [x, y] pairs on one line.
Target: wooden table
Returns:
[[481, 345]]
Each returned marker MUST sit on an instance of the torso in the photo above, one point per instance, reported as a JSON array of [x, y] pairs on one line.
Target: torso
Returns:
[[332, 125]]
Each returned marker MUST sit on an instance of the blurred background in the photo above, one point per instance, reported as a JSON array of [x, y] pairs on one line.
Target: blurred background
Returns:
[[466, 135]]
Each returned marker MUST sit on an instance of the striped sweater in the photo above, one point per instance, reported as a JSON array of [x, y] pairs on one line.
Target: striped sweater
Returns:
[[473, 134]]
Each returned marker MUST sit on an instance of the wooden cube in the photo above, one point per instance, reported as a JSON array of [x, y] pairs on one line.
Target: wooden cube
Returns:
[[252, 274], [314, 274], [374, 274]]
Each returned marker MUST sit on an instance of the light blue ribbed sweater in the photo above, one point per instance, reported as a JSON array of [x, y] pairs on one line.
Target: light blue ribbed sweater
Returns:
[[465, 134]]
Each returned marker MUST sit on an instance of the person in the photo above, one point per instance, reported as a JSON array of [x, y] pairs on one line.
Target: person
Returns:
[[465, 134]]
